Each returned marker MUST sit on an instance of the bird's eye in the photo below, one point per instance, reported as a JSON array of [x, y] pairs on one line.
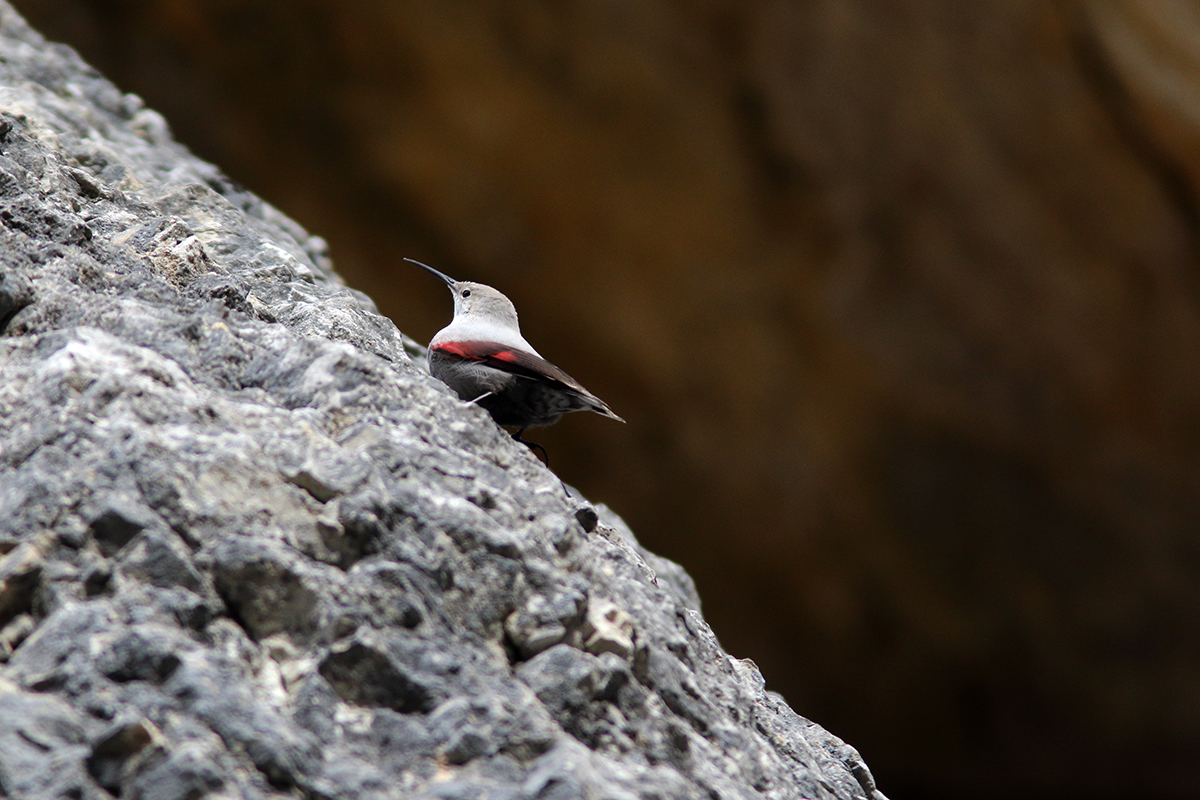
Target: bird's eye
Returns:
[[466, 292]]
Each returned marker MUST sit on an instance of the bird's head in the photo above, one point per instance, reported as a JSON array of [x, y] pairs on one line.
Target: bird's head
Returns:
[[476, 299]]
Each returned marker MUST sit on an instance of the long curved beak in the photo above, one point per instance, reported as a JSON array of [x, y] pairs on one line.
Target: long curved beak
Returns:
[[449, 281]]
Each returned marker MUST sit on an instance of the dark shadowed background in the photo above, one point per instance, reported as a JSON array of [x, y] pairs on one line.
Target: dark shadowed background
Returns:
[[901, 299]]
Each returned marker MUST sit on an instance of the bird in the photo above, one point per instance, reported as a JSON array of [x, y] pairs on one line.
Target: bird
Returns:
[[483, 357]]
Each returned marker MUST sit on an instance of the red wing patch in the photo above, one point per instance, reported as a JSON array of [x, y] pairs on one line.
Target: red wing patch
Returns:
[[459, 349], [506, 355], [507, 359]]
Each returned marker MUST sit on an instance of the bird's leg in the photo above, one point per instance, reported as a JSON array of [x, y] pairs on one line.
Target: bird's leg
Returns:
[[534, 446], [485, 394]]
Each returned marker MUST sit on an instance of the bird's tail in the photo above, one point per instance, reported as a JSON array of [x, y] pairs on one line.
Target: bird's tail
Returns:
[[600, 407]]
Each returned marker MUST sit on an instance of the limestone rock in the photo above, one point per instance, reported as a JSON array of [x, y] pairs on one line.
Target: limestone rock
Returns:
[[251, 550]]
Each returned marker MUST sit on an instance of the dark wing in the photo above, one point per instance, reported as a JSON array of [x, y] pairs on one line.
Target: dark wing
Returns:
[[512, 360], [523, 364]]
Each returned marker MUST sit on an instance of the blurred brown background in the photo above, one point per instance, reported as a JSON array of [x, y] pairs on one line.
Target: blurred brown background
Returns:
[[901, 299]]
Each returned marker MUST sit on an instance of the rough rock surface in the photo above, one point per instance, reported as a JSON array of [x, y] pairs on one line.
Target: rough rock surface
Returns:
[[250, 550]]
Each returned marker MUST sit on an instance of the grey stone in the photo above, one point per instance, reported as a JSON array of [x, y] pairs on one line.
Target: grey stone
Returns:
[[567, 679], [607, 629], [546, 619], [368, 675], [187, 772], [147, 652], [249, 548], [43, 745]]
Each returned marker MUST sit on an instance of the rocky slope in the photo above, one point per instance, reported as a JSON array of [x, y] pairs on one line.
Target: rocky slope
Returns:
[[250, 550]]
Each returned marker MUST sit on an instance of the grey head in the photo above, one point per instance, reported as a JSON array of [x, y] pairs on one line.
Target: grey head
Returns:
[[476, 300]]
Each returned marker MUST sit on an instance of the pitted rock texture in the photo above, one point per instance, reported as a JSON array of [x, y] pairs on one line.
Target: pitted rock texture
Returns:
[[248, 549]]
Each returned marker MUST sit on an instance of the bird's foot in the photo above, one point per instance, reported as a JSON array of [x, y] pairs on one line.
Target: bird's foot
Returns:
[[534, 446]]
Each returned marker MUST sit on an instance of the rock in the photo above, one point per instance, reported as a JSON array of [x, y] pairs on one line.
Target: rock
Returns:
[[607, 629], [251, 549], [588, 519], [369, 675], [118, 750], [20, 571], [546, 619], [42, 747], [15, 632]]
